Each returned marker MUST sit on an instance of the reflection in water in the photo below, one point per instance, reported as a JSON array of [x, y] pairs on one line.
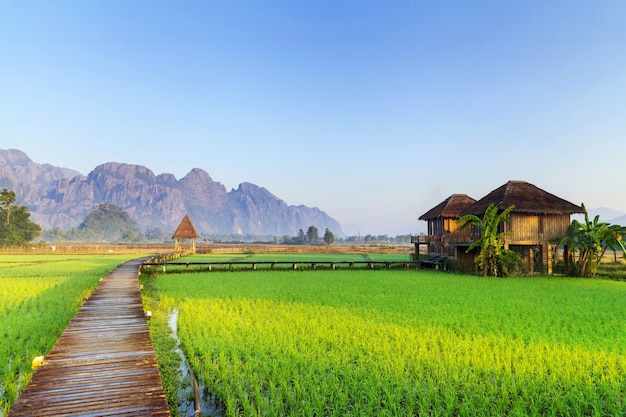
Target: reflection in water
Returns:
[[209, 404]]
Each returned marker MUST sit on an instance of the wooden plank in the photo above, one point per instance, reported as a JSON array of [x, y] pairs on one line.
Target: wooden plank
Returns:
[[104, 363]]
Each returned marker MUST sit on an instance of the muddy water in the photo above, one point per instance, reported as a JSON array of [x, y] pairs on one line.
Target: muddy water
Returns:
[[209, 404]]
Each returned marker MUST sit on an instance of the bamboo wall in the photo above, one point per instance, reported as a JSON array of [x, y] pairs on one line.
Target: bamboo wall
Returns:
[[527, 228]]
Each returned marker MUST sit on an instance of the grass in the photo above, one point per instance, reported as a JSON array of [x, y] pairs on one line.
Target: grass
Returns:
[[393, 342], [266, 260], [39, 294], [612, 270]]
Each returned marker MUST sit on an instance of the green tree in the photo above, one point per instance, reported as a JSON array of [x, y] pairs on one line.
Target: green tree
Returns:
[[108, 222], [329, 237], [589, 240], [300, 239], [7, 199], [17, 229], [491, 237], [311, 234]]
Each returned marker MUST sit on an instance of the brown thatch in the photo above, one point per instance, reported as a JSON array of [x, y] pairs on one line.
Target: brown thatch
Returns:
[[450, 208], [185, 230], [527, 199]]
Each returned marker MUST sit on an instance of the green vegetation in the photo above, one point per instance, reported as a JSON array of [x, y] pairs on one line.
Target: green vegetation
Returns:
[[16, 229], [106, 223], [266, 260], [329, 237], [588, 242], [110, 223], [38, 297], [490, 239], [613, 270], [393, 342]]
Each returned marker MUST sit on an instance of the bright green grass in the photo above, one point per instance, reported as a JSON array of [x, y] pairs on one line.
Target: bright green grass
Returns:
[[39, 294], [209, 257], [303, 261], [305, 257], [403, 342]]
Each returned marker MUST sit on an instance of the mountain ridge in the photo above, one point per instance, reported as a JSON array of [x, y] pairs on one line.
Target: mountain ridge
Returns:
[[62, 197]]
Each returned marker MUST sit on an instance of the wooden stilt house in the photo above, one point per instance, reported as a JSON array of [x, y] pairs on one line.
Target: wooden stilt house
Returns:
[[443, 230], [185, 231], [537, 220]]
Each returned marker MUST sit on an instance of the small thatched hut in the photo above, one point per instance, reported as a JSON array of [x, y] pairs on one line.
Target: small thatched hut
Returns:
[[186, 231], [443, 228]]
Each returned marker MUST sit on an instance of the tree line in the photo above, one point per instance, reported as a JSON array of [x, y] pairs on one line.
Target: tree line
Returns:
[[587, 241]]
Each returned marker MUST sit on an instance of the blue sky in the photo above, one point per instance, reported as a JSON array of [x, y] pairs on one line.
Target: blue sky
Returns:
[[373, 111]]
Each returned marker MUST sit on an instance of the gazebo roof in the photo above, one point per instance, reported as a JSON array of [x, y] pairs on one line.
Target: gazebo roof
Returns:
[[527, 199], [185, 230], [451, 207]]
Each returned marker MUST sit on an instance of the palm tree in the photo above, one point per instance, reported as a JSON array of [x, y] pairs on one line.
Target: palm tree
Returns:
[[491, 238], [591, 239]]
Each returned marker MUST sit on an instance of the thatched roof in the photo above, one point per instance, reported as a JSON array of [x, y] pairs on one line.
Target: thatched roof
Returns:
[[451, 207], [526, 198], [185, 230]]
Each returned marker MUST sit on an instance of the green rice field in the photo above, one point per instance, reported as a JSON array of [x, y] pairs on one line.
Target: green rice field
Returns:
[[400, 342], [38, 297], [273, 261]]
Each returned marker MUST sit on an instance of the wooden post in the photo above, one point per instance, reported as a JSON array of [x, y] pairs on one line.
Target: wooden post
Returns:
[[548, 262]]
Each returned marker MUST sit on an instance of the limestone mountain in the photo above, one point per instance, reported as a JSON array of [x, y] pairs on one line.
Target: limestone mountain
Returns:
[[60, 197]]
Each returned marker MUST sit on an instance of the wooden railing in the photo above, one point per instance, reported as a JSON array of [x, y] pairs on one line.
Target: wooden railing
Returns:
[[271, 265]]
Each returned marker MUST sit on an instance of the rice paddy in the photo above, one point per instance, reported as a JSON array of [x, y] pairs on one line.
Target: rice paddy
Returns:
[[350, 342], [401, 342], [38, 297]]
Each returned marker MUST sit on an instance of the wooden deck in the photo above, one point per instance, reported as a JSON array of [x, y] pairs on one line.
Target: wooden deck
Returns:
[[104, 363]]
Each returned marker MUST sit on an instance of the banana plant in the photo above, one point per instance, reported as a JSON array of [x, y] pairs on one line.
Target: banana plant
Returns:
[[491, 238], [590, 239]]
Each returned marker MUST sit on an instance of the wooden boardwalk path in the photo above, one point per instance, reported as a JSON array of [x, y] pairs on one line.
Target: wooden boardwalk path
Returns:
[[104, 363]]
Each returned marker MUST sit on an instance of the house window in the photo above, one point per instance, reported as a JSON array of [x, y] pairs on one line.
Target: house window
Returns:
[[540, 225], [476, 231], [437, 227]]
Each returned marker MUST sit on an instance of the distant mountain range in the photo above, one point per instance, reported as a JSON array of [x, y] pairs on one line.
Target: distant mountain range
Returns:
[[62, 197]]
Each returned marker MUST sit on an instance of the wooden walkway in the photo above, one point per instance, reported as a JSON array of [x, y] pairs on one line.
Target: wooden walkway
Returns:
[[104, 363]]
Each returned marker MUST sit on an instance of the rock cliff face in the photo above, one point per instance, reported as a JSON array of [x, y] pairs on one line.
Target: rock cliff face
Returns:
[[60, 197]]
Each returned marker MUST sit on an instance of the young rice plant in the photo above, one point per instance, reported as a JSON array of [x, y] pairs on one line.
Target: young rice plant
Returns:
[[38, 296], [402, 343]]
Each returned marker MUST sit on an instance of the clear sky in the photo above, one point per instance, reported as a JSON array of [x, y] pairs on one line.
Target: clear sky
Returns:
[[373, 111]]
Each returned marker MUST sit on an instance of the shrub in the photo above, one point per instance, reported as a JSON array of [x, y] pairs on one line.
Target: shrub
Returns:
[[510, 263]]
